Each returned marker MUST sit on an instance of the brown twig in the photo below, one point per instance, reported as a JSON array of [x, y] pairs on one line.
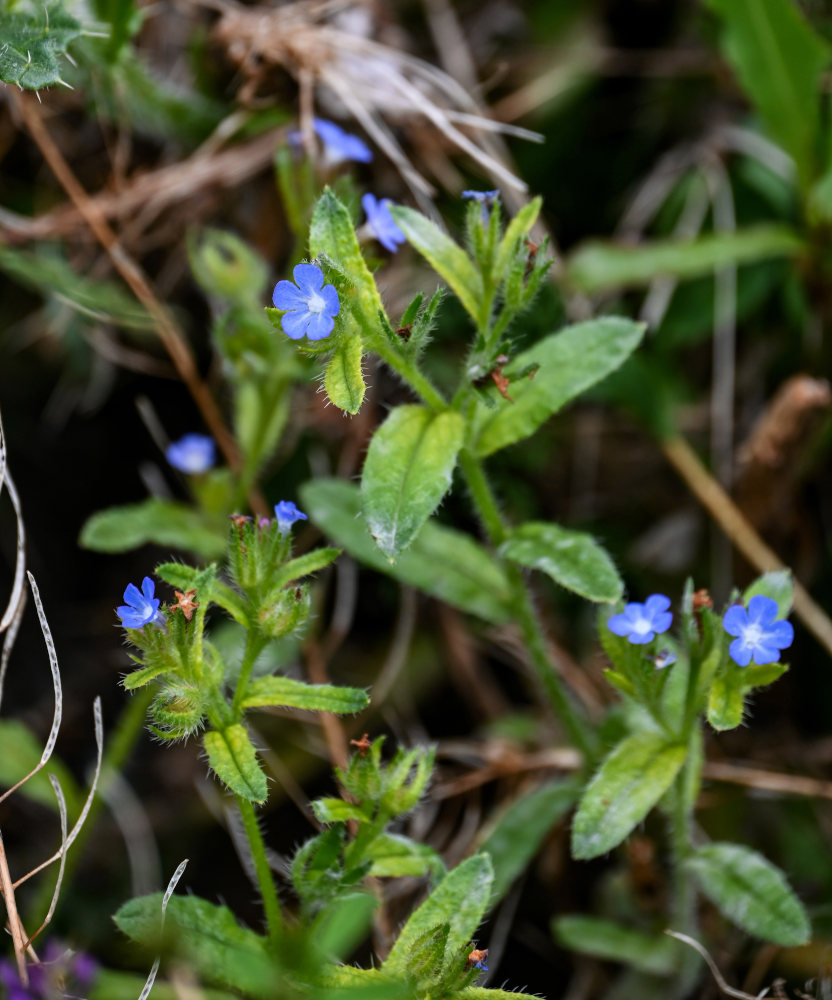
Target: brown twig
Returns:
[[19, 936], [741, 533], [169, 333]]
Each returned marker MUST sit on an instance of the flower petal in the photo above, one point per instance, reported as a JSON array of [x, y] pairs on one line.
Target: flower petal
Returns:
[[762, 610], [294, 323], [288, 296], [779, 634], [740, 653], [663, 621], [641, 638], [148, 588], [656, 603], [309, 278], [620, 625], [320, 326], [332, 304], [634, 612], [735, 621], [132, 595], [763, 653]]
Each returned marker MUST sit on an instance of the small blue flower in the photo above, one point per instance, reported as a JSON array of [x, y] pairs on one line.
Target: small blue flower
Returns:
[[192, 453], [758, 634], [140, 607], [287, 513], [340, 145], [381, 222], [311, 306], [641, 622], [485, 198]]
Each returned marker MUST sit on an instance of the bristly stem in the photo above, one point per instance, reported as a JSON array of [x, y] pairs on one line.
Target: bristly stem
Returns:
[[265, 879], [525, 614], [411, 374], [254, 647]]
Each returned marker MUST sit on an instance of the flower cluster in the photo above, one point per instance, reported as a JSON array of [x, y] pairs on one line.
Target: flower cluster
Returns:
[[760, 635]]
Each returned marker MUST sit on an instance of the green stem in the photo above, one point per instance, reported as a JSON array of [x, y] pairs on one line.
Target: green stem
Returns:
[[525, 614], [254, 647], [265, 880], [411, 374], [683, 907]]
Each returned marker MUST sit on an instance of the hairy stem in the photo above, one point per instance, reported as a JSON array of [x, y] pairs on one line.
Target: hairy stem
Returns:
[[411, 374], [524, 611], [265, 880], [254, 647]]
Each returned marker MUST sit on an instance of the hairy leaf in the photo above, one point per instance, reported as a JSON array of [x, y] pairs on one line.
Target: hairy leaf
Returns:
[[604, 939], [343, 379], [161, 522], [234, 760], [290, 693], [32, 38]]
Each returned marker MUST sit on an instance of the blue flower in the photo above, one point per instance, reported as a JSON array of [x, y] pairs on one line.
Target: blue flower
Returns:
[[485, 198], [641, 622], [140, 606], [311, 306], [758, 634], [192, 453], [60, 971], [340, 145], [381, 222], [287, 513]]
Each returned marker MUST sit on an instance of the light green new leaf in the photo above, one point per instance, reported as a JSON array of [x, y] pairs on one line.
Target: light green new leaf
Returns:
[[304, 565], [343, 379], [571, 558], [31, 40], [654, 953], [460, 900], [445, 256], [751, 892], [779, 59], [726, 698], [216, 946], [234, 760], [569, 361], [338, 811], [629, 783], [139, 678], [519, 831], [408, 470], [778, 585], [395, 856], [516, 230], [332, 235], [602, 266], [442, 562], [162, 522], [290, 693]]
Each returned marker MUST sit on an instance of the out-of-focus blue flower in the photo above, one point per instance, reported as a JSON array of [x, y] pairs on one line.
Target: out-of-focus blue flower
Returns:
[[192, 453], [485, 198], [311, 306], [340, 145], [61, 973], [381, 222], [758, 634], [663, 659], [140, 607], [641, 622], [287, 513]]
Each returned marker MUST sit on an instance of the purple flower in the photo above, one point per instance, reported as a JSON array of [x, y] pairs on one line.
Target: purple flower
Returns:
[[140, 607], [641, 622], [193, 453], [287, 513], [381, 222], [310, 305], [61, 973], [758, 634], [340, 145]]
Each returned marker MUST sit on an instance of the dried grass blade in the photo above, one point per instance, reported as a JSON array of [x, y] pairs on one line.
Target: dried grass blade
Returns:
[[59, 795], [151, 979]]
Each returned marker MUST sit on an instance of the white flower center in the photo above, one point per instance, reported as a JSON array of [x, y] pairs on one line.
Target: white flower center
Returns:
[[752, 636], [315, 303], [642, 626]]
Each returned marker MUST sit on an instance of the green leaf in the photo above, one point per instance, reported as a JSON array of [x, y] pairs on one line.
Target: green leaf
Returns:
[[20, 753], [160, 522], [569, 361], [460, 900], [343, 379], [571, 558], [444, 563], [407, 471], [289, 693], [395, 856], [654, 953], [226, 266], [445, 256], [603, 266], [338, 811], [726, 702], [629, 783], [518, 832], [779, 59], [138, 678], [332, 235], [49, 274], [207, 935], [751, 892], [515, 231], [778, 585], [234, 760], [31, 40], [304, 565]]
